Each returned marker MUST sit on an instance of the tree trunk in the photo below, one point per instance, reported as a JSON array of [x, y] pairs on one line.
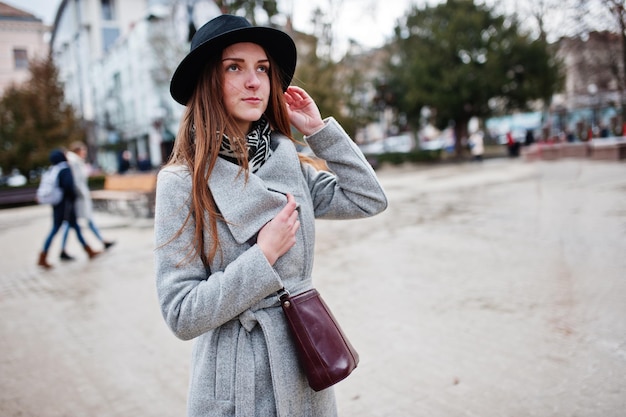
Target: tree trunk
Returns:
[[460, 138]]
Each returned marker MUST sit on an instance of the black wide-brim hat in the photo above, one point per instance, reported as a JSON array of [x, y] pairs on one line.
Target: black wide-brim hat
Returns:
[[217, 34]]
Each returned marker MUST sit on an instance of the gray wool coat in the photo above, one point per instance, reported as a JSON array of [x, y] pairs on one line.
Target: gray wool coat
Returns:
[[243, 362]]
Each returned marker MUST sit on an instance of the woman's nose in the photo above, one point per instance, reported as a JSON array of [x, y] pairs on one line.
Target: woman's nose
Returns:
[[253, 81]]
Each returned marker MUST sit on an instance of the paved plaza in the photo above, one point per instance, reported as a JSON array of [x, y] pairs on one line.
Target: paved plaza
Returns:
[[494, 289]]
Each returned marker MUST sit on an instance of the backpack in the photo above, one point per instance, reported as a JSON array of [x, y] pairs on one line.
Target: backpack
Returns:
[[49, 191]]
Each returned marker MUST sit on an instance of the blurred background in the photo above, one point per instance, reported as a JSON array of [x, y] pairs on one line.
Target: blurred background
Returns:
[[410, 80]]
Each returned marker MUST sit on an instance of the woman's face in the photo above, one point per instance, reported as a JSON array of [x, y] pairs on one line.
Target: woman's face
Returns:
[[245, 69]]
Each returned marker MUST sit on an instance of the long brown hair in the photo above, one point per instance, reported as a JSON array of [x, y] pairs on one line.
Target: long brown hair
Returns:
[[203, 125]]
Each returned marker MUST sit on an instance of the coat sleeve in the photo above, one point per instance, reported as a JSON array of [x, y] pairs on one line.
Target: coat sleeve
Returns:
[[351, 189], [194, 300]]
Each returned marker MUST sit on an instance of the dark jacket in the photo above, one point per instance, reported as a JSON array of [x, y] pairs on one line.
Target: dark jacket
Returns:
[[65, 209]]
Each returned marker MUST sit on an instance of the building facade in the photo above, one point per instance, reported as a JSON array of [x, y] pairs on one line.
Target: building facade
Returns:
[[22, 39], [86, 33], [593, 97]]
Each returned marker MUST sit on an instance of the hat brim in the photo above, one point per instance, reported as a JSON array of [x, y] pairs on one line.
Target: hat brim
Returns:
[[278, 45]]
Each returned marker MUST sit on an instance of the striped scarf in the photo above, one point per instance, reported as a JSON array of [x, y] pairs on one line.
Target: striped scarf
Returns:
[[258, 143]]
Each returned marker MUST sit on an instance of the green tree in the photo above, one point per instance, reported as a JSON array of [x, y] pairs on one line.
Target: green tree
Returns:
[[34, 119], [462, 60]]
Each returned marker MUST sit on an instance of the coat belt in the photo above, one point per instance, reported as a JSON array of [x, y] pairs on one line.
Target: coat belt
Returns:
[[245, 379]]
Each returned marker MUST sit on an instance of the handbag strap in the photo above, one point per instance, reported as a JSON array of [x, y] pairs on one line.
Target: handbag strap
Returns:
[[283, 295]]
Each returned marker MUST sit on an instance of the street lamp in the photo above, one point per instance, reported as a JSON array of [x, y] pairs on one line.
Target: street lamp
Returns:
[[592, 89]]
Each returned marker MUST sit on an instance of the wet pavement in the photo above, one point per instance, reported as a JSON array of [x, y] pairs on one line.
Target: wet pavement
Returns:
[[488, 290]]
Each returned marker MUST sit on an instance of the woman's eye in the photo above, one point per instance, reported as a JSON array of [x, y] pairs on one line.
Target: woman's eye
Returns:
[[232, 67], [263, 68]]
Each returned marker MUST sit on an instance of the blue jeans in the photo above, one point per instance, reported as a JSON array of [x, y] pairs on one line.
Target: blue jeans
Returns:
[[55, 229], [66, 232]]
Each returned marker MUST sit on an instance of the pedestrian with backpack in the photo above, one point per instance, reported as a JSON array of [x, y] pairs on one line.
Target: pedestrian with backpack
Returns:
[[62, 210], [76, 158]]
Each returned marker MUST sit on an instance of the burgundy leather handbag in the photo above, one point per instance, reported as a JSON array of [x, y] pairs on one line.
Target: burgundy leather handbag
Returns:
[[325, 353]]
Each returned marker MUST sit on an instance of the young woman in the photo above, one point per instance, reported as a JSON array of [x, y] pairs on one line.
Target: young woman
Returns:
[[235, 213]]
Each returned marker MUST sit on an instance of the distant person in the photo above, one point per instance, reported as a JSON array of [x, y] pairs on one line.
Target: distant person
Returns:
[[144, 164], [604, 131], [76, 158], [64, 210], [530, 137], [512, 145], [124, 162], [477, 147]]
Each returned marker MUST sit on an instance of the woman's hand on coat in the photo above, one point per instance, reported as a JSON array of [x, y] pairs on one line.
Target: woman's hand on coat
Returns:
[[303, 112], [279, 234]]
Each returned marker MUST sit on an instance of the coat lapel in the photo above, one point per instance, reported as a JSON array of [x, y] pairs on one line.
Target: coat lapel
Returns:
[[248, 205]]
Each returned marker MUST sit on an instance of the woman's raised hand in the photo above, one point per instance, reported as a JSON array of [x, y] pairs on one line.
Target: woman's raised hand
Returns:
[[303, 112], [279, 234]]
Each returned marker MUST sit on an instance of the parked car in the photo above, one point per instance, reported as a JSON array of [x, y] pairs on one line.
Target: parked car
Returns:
[[441, 140], [16, 179], [372, 148], [432, 144], [401, 143]]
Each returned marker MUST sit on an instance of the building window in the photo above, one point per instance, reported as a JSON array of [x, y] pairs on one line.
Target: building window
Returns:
[[108, 9], [20, 58], [109, 36]]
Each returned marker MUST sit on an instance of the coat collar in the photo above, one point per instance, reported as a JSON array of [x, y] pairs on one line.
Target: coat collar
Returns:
[[248, 205]]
